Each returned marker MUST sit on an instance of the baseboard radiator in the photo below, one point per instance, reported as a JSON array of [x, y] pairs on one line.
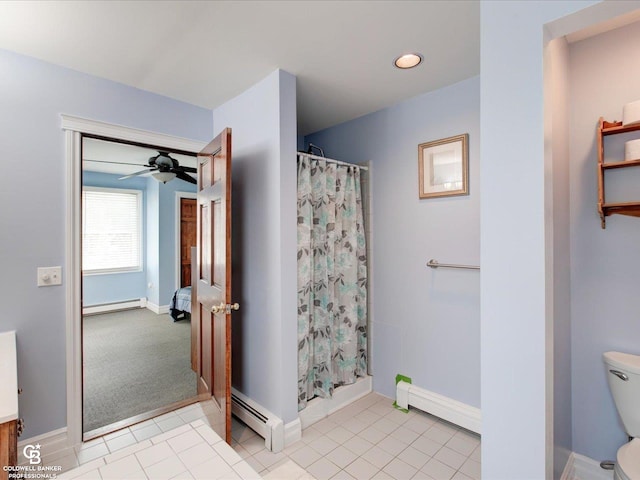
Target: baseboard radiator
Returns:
[[115, 306], [458, 413], [259, 419]]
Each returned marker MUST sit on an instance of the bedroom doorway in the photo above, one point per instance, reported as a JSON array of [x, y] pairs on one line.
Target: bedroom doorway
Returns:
[[136, 358], [187, 231]]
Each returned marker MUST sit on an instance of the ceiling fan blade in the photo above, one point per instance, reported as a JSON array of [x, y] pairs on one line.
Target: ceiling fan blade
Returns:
[[115, 163], [141, 172], [188, 169], [185, 177]]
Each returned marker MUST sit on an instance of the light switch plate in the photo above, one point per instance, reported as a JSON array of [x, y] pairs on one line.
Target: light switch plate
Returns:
[[48, 276]]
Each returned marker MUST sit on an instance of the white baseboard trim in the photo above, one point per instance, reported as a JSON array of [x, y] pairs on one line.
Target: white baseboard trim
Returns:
[[569, 472], [259, 419], [319, 408], [585, 468], [292, 432], [158, 309], [50, 443], [115, 306], [443, 407]]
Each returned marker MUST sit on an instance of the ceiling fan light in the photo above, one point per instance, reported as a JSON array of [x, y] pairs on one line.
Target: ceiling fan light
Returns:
[[163, 177]]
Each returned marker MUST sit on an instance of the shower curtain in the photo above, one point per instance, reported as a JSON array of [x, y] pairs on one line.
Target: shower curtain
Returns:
[[332, 278]]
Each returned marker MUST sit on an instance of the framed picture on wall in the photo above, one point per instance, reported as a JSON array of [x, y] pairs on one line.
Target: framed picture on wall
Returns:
[[443, 167]]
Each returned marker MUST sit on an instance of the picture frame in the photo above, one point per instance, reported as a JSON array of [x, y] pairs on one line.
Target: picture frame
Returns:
[[443, 167]]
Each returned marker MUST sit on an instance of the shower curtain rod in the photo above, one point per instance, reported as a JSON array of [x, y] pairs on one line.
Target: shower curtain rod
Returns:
[[338, 162]]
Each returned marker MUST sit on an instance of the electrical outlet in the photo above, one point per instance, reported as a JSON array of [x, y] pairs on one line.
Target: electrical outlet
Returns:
[[48, 276]]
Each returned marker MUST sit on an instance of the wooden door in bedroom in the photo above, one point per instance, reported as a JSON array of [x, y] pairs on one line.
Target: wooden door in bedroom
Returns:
[[188, 229], [212, 301]]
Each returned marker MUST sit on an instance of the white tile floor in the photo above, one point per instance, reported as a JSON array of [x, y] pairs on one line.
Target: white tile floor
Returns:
[[371, 439], [367, 439], [178, 445]]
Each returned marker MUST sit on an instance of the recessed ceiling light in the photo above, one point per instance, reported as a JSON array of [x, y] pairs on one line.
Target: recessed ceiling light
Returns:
[[409, 60]]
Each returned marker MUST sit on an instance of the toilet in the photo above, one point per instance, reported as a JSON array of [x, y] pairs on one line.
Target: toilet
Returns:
[[623, 374]]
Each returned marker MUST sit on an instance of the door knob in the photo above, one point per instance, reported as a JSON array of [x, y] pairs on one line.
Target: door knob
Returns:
[[218, 308], [225, 308]]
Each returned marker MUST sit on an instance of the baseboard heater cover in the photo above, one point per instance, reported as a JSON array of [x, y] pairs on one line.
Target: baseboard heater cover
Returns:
[[115, 306], [443, 407], [259, 419]]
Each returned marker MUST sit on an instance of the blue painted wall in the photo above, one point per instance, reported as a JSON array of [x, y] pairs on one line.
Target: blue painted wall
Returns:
[[556, 106], [153, 245], [514, 249], [159, 246], [263, 123], [425, 323], [166, 280], [116, 287], [33, 94], [604, 263]]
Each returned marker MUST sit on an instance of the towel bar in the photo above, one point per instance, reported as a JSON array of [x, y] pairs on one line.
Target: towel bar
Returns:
[[434, 264]]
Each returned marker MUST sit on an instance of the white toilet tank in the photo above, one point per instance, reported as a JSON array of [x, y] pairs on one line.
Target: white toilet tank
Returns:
[[623, 373]]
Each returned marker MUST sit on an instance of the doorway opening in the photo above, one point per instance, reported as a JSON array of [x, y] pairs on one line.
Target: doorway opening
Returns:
[[136, 358], [76, 131]]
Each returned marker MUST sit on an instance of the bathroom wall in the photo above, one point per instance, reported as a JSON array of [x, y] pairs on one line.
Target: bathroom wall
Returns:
[[425, 323], [33, 94], [605, 264], [556, 98], [515, 337], [263, 123]]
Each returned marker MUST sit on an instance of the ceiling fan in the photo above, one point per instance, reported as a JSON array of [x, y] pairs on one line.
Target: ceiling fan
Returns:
[[165, 168]]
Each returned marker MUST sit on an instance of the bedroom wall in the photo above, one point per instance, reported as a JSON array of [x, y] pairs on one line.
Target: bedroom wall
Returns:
[[116, 287], [263, 123], [33, 96], [425, 323], [161, 239], [604, 72], [167, 246]]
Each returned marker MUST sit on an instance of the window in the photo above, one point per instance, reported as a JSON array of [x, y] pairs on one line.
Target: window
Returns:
[[111, 230]]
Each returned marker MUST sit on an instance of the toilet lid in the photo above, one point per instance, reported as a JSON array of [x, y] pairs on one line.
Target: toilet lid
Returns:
[[629, 458]]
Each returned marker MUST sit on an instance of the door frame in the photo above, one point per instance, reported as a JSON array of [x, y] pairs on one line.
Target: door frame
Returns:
[[178, 227], [74, 128]]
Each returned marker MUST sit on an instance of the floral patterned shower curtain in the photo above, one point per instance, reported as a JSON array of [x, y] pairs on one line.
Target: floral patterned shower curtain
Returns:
[[332, 278]]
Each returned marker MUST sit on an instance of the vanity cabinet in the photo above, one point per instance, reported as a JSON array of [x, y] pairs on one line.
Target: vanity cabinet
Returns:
[[8, 446], [607, 208], [10, 425]]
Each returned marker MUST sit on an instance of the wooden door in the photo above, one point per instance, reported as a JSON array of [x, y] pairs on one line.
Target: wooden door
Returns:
[[188, 229], [213, 279]]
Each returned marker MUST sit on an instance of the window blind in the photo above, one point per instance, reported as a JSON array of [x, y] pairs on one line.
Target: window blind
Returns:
[[111, 230]]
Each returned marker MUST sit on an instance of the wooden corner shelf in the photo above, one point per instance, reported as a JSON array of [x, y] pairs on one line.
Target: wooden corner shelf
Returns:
[[624, 208]]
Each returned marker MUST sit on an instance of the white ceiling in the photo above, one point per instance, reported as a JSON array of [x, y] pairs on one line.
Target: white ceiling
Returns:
[[207, 52]]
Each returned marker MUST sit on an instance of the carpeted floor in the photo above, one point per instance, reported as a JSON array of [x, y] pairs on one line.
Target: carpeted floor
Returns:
[[134, 361]]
